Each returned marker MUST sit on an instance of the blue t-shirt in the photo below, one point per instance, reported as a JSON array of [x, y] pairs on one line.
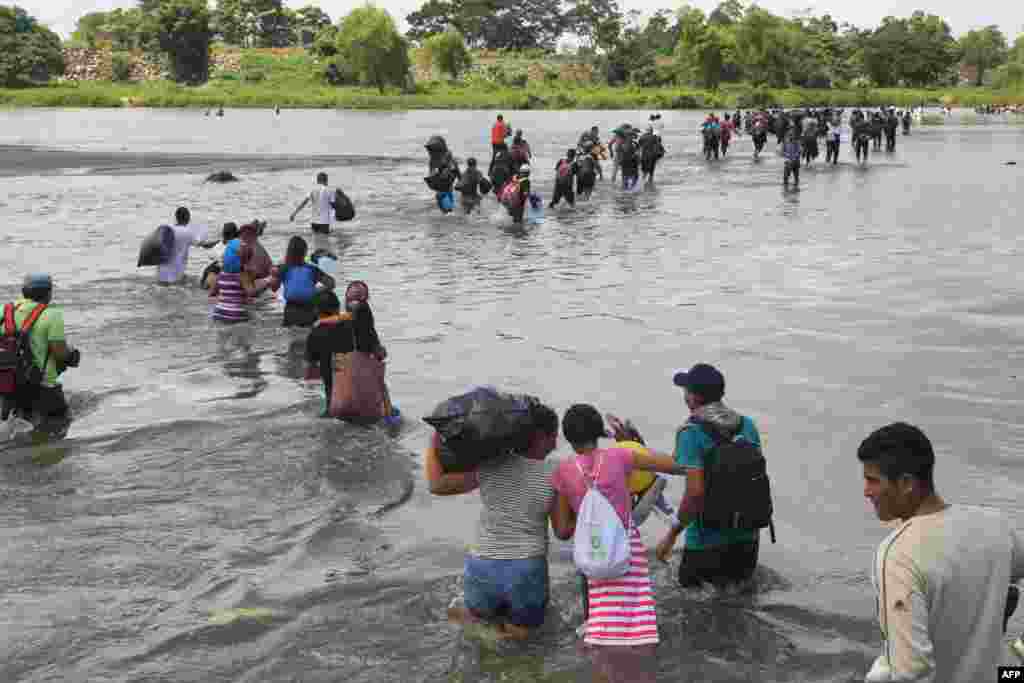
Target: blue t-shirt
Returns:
[[693, 445], [300, 283], [233, 257]]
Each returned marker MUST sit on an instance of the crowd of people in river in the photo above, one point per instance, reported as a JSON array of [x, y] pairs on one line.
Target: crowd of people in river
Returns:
[[633, 153], [944, 577], [941, 576]]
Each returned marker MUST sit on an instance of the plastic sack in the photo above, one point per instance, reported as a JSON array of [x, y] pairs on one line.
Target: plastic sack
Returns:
[[436, 145], [481, 425], [344, 209], [156, 249]]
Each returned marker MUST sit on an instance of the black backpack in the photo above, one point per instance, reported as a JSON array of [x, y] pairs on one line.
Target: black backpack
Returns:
[[344, 210], [737, 492], [18, 368], [626, 152]]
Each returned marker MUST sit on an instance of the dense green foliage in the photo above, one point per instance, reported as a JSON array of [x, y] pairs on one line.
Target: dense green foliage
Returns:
[[124, 27], [182, 30], [735, 42], [369, 43], [29, 52], [984, 50], [448, 52]]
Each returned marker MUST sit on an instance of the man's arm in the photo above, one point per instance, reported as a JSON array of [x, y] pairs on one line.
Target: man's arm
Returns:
[[57, 347], [298, 208], [689, 510], [59, 350], [688, 455], [656, 462], [1017, 565], [442, 483], [909, 653]]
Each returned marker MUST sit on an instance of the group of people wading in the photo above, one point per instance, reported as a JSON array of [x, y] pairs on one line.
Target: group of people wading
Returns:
[[800, 133], [632, 152]]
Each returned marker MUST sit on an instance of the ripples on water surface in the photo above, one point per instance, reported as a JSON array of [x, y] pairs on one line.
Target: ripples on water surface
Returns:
[[197, 481]]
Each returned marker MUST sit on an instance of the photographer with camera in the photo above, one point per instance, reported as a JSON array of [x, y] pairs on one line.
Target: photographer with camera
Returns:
[[40, 354]]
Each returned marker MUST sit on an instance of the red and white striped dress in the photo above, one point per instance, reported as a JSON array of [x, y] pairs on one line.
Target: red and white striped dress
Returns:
[[622, 610]]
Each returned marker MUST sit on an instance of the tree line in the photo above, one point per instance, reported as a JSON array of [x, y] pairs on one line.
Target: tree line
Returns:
[[732, 43]]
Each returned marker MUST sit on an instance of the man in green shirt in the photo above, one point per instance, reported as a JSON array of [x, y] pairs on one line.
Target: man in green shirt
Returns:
[[50, 352], [716, 556]]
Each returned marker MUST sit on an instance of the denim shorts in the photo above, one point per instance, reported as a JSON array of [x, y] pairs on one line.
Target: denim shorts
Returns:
[[513, 590]]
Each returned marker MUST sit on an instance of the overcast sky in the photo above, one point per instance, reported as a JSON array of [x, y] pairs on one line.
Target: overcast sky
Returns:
[[61, 15]]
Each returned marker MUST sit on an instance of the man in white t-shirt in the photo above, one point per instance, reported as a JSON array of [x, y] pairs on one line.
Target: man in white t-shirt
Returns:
[[320, 199], [942, 576], [185, 236]]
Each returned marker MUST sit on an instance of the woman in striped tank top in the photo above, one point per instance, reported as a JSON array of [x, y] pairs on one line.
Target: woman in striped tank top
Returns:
[[229, 291], [505, 579], [621, 630]]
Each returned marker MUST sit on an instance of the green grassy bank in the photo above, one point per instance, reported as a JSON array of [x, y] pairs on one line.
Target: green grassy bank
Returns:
[[294, 78], [437, 96]]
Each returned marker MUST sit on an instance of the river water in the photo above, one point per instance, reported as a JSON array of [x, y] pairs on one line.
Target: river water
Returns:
[[200, 523]]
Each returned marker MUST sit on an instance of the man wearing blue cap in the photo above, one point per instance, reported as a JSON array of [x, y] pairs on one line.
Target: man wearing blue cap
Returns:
[[42, 400], [711, 555]]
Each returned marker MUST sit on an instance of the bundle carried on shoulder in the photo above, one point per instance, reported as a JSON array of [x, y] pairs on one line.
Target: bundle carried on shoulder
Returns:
[[156, 249], [436, 145], [481, 425]]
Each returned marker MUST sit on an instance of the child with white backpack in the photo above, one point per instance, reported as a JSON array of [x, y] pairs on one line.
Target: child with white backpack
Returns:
[[621, 626]]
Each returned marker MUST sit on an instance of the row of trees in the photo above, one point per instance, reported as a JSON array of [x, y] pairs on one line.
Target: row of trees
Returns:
[[29, 52], [731, 43], [247, 23]]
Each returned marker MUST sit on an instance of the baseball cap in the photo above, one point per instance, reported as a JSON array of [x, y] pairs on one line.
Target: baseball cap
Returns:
[[702, 379], [37, 281]]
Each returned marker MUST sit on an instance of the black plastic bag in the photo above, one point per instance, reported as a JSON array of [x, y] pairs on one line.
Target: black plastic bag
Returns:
[[156, 249], [482, 425], [344, 209]]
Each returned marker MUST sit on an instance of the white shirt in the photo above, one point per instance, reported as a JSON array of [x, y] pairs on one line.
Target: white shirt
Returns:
[[320, 198], [217, 253], [941, 581], [184, 237]]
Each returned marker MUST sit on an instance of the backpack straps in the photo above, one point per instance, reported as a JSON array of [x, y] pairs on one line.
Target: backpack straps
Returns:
[[30, 321], [589, 480], [10, 329]]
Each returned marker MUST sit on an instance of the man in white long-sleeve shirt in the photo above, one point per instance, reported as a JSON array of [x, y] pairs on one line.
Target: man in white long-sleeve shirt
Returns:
[[942, 575]]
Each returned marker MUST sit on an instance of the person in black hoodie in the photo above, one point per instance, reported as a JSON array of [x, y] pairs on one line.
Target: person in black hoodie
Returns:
[[565, 173], [586, 176], [501, 170]]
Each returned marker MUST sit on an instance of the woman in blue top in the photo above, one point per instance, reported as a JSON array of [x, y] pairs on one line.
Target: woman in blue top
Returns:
[[299, 280]]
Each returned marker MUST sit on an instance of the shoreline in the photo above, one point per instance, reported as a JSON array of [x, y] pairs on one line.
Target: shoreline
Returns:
[[162, 94]]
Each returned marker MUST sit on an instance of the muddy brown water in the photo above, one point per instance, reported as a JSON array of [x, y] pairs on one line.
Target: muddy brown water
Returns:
[[199, 523]]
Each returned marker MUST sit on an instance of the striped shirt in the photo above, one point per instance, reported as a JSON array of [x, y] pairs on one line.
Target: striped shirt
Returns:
[[621, 611], [516, 493], [230, 306]]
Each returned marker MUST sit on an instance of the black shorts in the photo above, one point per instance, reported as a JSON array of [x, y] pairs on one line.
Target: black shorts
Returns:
[[298, 314], [720, 565], [321, 228]]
